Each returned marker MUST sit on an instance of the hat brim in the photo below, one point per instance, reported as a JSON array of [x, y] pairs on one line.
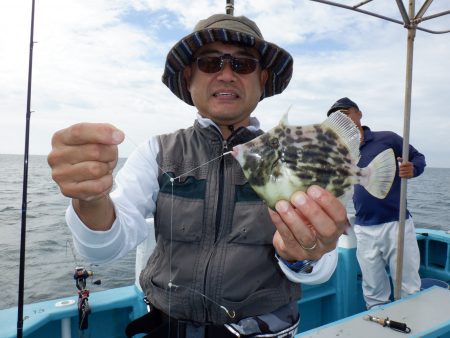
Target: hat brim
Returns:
[[334, 109], [274, 59]]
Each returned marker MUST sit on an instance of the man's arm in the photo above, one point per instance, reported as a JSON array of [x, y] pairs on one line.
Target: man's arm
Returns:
[[134, 196], [82, 159], [414, 167], [418, 160], [98, 215]]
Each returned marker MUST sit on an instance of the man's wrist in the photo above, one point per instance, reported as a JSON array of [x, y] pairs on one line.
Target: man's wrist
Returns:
[[304, 266]]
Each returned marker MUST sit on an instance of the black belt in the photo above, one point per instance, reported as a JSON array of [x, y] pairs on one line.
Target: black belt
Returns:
[[157, 324]]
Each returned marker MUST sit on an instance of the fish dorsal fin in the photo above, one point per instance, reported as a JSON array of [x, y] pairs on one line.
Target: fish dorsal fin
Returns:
[[284, 120], [347, 131]]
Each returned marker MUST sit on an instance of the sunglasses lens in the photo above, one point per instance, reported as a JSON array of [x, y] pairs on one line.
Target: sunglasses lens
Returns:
[[213, 64], [209, 64], [244, 65]]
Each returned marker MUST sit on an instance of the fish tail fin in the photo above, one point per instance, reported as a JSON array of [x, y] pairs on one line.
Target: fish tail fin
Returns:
[[380, 174]]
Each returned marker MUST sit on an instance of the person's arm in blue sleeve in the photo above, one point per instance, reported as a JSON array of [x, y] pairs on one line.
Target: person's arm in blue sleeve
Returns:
[[418, 160]]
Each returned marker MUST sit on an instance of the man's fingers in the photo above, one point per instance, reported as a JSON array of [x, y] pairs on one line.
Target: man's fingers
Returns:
[[309, 225], [83, 153], [282, 228], [90, 189], [302, 232], [84, 171], [293, 235], [323, 210], [85, 133]]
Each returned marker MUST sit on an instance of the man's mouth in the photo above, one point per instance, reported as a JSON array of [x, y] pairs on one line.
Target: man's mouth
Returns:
[[226, 94]]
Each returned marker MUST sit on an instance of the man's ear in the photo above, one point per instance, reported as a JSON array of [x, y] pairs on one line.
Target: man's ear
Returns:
[[263, 78], [187, 74]]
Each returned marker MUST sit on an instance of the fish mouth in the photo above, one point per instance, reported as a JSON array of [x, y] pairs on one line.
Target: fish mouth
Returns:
[[235, 151]]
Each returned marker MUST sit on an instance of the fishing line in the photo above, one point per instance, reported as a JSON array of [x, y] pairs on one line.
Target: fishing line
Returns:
[[170, 284], [69, 244], [201, 165], [230, 313], [172, 179]]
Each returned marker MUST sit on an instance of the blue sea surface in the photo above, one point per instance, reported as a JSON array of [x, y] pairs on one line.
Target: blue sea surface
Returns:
[[50, 262]]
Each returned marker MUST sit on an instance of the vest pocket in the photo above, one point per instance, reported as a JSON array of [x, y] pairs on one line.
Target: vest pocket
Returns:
[[161, 297], [182, 227], [251, 224]]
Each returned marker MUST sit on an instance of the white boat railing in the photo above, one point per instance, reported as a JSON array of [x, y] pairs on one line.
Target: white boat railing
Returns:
[[143, 251]]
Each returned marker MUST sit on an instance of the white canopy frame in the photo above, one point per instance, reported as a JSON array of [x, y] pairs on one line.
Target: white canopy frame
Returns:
[[410, 21]]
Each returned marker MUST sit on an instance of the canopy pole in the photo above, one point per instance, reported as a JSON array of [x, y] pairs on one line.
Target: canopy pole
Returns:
[[229, 7], [411, 26]]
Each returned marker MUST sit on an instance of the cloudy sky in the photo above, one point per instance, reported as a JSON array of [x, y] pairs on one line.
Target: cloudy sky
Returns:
[[102, 61]]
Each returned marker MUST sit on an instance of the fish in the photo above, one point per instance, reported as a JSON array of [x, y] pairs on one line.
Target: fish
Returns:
[[289, 158]]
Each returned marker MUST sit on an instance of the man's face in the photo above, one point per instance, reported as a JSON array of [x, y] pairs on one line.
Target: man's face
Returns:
[[226, 97], [354, 114]]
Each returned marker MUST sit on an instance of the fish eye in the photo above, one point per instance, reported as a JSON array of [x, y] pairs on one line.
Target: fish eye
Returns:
[[274, 143]]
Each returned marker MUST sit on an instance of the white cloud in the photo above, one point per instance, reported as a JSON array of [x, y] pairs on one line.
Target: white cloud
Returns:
[[102, 60]]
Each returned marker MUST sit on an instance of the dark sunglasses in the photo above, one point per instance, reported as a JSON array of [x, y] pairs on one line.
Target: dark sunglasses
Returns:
[[240, 64]]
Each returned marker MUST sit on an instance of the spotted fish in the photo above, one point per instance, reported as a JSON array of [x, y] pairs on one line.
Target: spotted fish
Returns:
[[289, 158]]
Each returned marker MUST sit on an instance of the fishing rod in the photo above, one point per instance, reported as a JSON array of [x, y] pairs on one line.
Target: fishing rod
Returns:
[[25, 185]]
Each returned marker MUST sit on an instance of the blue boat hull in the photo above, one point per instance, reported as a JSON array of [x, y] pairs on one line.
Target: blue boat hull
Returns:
[[112, 310]]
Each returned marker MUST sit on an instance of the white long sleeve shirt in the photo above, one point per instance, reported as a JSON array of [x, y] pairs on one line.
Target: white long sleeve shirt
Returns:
[[134, 198]]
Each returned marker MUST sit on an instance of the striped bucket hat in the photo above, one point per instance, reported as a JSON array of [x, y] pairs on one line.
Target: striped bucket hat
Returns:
[[230, 29]]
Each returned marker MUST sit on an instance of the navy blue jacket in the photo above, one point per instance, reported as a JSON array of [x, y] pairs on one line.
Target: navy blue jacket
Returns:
[[369, 209]]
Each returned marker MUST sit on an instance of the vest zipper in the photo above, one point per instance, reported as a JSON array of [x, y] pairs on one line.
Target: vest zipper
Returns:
[[220, 195], [218, 218]]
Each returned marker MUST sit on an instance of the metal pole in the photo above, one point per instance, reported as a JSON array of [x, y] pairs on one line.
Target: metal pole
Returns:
[[405, 153], [229, 7], [402, 12]]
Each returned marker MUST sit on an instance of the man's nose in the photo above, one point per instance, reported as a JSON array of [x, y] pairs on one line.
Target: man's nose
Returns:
[[227, 71]]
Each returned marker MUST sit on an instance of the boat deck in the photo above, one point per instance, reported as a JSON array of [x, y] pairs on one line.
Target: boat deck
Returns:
[[427, 314]]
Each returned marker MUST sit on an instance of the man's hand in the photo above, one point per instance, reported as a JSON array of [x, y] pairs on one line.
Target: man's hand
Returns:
[[82, 159], [309, 226], [405, 169]]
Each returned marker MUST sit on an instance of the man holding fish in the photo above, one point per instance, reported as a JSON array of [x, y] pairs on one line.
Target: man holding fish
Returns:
[[377, 220], [224, 263]]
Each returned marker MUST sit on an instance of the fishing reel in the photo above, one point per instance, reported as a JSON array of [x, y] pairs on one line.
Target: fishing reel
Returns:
[[80, 276]]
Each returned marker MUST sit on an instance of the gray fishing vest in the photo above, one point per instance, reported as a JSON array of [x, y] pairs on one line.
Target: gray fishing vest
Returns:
[[213, 235]]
